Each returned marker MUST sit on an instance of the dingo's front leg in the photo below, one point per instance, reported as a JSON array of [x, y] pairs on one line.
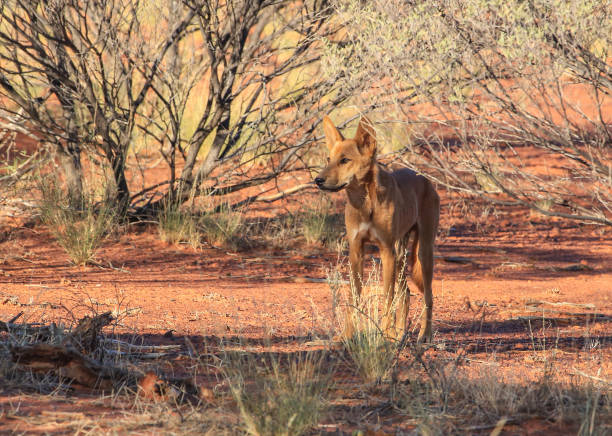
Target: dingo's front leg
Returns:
[[356, 261], [387, 254]]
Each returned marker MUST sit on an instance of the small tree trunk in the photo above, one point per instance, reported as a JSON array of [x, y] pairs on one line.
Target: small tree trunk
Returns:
[[70, 161], [190, 182], [122, 199]]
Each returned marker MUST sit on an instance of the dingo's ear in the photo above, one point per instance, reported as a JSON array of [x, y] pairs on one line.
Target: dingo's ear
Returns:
[[332, 134], [366, 137]]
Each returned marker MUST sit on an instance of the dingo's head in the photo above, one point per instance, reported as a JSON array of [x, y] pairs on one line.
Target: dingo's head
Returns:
[[349, 159]]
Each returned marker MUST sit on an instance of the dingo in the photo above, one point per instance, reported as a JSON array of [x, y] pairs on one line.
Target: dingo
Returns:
[[384, 208]]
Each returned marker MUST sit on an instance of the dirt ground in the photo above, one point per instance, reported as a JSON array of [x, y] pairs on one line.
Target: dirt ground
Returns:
[[511, 288]]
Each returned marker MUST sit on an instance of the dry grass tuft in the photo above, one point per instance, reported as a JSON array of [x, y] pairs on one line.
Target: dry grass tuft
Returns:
[[319, 224], [178, 226], [79, 231], [447, 401], [225, 226], [279, 395], [371, 352], [362, 319]]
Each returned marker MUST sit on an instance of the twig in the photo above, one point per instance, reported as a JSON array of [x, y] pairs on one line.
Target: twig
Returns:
[[564, 303], [110, 265], [563, 320], [488, 426], [499, 426], [457, 259], [594, 315], [484, 362], [140, 347], [316, 280], [269, 198], [15, 318], [138, 354], [583, 374], [282, 194]]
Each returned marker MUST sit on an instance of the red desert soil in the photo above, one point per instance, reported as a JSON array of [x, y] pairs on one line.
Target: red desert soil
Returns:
[[492, 273]]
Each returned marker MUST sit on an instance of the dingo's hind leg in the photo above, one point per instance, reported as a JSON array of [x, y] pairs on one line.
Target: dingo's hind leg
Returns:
[[423, 262], [403, 290]]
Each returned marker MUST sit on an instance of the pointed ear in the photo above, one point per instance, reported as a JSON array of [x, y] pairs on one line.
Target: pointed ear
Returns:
[[332, 134], [366, 137]]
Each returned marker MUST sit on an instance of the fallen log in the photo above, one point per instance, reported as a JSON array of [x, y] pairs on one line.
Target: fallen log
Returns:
[[67, 362], [72, 359]]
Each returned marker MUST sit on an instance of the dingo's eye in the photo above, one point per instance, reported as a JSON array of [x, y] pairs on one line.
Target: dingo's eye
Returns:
[[344, 160]]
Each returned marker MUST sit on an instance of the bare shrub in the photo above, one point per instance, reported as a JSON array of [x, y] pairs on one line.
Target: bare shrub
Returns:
[[238, 103], [475, 82], [79, 74], [214, 88]]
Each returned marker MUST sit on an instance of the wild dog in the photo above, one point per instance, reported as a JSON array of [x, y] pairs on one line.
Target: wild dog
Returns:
[[384, 208]]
